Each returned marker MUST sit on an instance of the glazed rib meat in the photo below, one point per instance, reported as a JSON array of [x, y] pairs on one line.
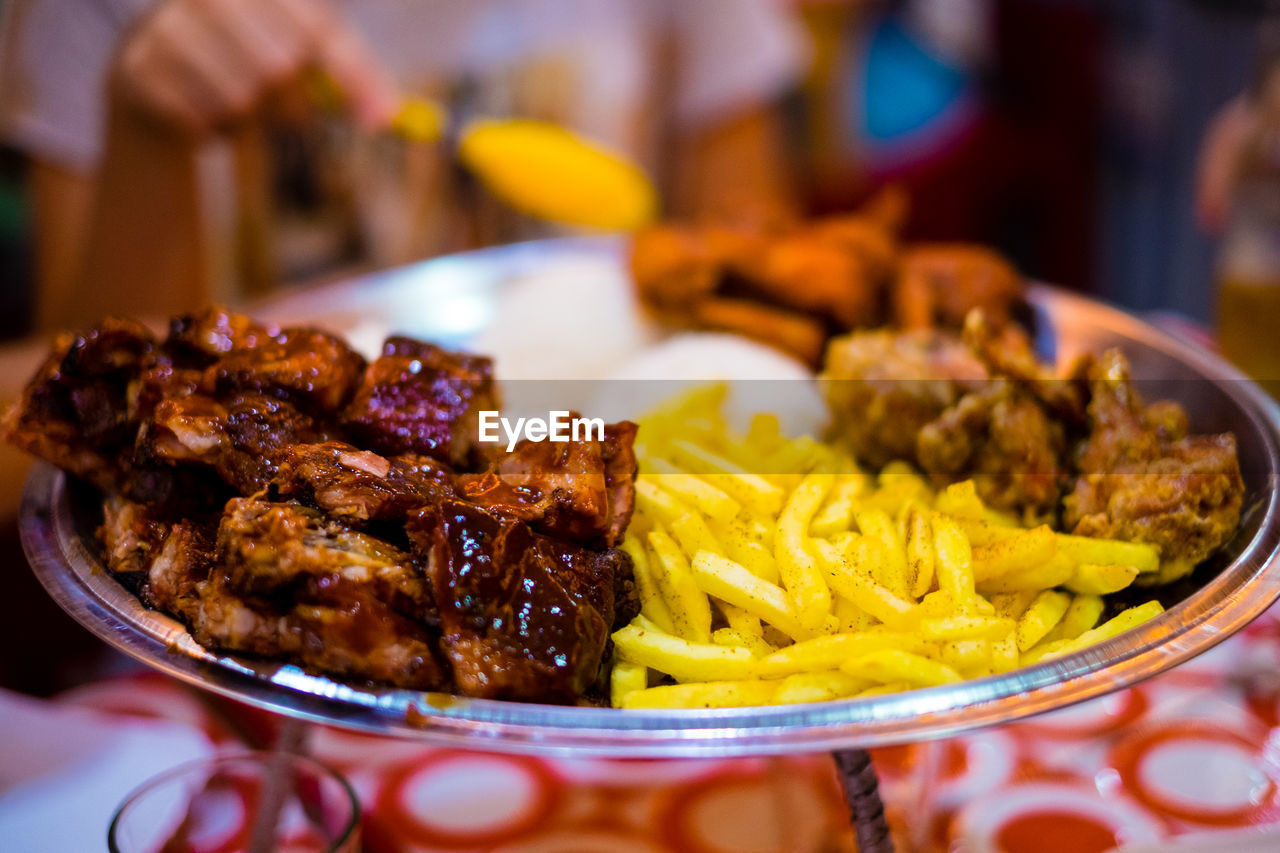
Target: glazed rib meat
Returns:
[[419, 398], [285, 499], [360, 485], [1142, 478], [75, 411], [523, 616], [581, 490], [239, 436]]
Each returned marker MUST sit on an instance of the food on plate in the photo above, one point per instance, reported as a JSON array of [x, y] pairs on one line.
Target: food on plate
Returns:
[[284, 498], [795, 284], [1085, 451], [773, 570]]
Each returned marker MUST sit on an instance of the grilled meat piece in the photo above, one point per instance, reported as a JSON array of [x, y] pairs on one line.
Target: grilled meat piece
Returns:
[[266, 548], [419, 398], [311, 368], [884, 387], [308, 367], [1142, 478], [132, 534], [333, 626], [238, 437], [523, 616], [359, 485], [75, 411], [198, 340], [582, 490]]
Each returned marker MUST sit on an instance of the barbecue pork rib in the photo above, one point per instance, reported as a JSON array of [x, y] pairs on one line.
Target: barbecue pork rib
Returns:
[[523, 616], [419, 398]]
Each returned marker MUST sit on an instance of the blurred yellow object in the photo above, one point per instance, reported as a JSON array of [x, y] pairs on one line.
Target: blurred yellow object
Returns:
[[419, 120], [546, 171]]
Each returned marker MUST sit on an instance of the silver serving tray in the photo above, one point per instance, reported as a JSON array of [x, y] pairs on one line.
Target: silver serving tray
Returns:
[[1221, 598]]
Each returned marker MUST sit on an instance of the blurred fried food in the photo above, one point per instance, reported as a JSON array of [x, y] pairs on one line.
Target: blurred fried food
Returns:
[[794, 285]]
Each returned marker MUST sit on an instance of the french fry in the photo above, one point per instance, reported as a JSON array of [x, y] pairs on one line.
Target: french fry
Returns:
[[730, 582], [960, 500], [817, 687], [1105, 552], [661, 506], [892, 563], [652, 603], [1011, 605], [971, 658], [850, 617], [1082, 614], [1044, 612], [739, 619], [830, 651], [836, 515], [626, 678], [1125, 620], [1004, 654], [693, 490], [747, 547], [713, 694], [1092, 579], [920, 553], [751, 490], [848, 577], [797, 566], [681, 659], [1044, 576], [1026, 550], [954, 562], [690, 611], [953, 628], [693, 535], [740, 639], [895, 665]]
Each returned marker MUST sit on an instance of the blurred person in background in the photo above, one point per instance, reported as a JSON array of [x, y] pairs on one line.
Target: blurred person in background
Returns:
[[176, 147]]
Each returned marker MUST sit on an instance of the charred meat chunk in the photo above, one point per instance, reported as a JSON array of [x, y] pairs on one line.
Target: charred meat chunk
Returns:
[[271, 547], [335, 627], [239, 437], [75, 410], [419, 398], [582, 490], [198, 340], [523, 616], [1140, 478], [359, 485]]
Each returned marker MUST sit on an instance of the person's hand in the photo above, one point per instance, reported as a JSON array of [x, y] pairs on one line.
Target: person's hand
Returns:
[[200, 66]]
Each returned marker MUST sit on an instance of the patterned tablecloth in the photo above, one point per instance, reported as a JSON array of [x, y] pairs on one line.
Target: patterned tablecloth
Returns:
[[1192, 755]]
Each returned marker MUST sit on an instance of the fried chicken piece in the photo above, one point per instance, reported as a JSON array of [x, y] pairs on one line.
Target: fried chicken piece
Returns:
[[676, 266], [582, 490], [419, 398], [524, 616], [1142, 479], [1006, 351], [1005, 441], [238, 437], [884, 387], [358, 486], [789, 331], [938, 284], [75, 411]]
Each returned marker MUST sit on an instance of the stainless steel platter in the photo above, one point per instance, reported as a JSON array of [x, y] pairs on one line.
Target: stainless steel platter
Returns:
[[453, 299]]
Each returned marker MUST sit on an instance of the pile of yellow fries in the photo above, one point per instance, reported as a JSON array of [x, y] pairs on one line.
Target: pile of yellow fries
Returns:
[[773, 571]]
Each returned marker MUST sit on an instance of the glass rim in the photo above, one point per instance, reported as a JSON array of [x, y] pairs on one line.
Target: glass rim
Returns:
[[259, 757]]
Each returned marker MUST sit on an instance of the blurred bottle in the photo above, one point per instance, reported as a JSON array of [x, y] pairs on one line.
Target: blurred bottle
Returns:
[[1249, 264]]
